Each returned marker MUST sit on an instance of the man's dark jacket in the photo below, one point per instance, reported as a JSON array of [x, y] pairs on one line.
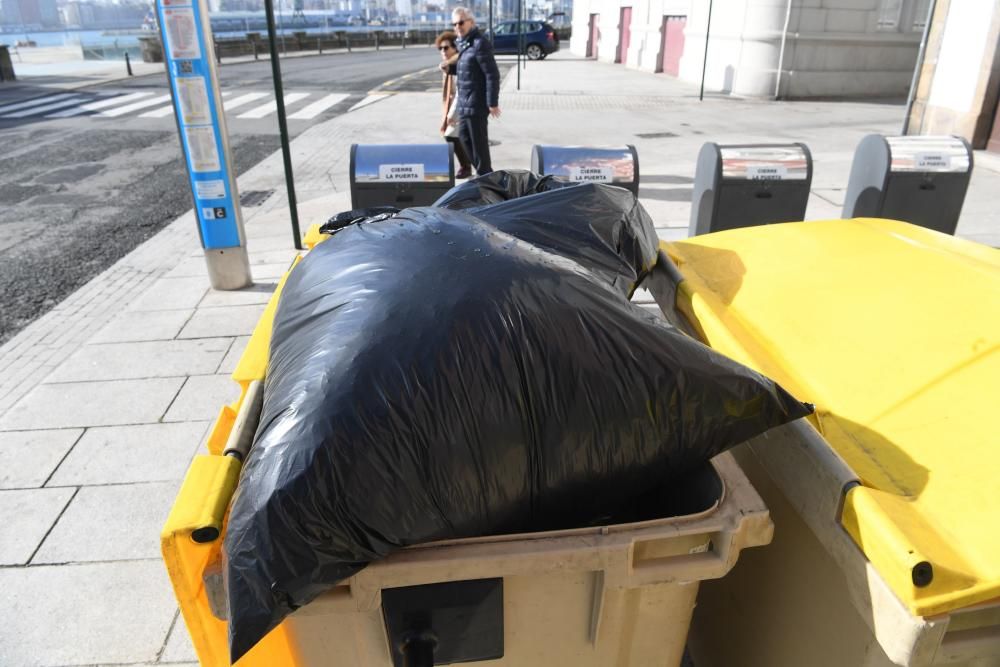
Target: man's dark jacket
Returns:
[[478, 76]]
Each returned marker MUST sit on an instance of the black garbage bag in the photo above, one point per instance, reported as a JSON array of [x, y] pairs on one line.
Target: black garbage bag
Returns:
[[432, 376], [498, 186], [604, 228]]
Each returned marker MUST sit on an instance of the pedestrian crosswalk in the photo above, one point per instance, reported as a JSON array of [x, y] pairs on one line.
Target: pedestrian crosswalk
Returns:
[[69, 101], [319, 106], [95, 106], [251, 105], [269, 108]]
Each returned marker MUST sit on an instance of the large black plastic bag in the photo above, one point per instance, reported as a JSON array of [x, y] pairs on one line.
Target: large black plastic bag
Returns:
[[603, 228], [498, 186], [433, 377]]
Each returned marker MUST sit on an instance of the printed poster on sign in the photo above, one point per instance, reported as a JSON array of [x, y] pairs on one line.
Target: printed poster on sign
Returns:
[[933, 161], [592, 174], [401, 172], [767, 172], [214, 189], [182, 33], [193, 96], [204, 155]]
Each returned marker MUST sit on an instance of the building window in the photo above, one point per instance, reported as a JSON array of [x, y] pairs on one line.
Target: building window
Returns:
[[920, 15], [889, 14]]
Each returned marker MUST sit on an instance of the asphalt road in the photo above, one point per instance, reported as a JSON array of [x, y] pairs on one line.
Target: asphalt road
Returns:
[[80, 191]]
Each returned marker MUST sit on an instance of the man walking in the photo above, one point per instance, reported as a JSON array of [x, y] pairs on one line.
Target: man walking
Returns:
[[478, 89]]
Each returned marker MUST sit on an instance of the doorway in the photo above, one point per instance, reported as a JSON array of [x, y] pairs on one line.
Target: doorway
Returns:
[[624, 34], [993, 143], [595, 35], [672, 47]]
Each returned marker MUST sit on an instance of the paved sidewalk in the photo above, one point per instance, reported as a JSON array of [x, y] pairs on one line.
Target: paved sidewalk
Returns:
[[104, 400]]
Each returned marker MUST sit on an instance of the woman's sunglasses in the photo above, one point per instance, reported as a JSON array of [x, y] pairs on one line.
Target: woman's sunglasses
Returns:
[[446, 47]]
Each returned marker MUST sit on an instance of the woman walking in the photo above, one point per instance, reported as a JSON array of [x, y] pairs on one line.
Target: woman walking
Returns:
[[446, 43]]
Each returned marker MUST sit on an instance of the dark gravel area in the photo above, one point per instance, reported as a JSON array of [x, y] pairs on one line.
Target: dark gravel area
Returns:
[[74, 201]]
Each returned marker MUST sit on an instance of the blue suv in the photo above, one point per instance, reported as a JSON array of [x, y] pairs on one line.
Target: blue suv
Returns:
[[539, 38]]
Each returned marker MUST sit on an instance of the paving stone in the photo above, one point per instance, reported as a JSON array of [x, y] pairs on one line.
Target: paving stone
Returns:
[[130, 361], [172, 294], [141, 326], [233, 356], [179, 647], [275, 257], [258, 244], [257, 293], [92, 404], [672, 233], [120, 522], [127, 454], [230, 321], [27, 516], [189, 267], [27, 458], [643, 295], [202, 397], [265, 271], [96, 613]]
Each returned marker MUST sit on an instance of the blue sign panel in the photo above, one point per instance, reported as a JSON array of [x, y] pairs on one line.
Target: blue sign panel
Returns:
[[192, 77]]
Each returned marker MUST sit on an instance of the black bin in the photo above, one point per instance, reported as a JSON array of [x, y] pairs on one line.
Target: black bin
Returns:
[[920, 180], [614, 166], [749, 184], [400, 175]]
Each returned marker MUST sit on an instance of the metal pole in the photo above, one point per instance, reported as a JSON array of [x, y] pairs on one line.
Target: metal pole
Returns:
[[279, 98], [128, 64], [281, 24], [921, 54], [781, 52], [520, 9], [704, 64], [491, 20]]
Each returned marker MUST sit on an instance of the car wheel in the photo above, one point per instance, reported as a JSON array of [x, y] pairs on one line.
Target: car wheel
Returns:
[[534, 52]]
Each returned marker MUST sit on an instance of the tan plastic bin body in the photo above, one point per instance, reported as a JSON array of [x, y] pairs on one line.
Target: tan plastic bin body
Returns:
[[812, 598], [615, 596]]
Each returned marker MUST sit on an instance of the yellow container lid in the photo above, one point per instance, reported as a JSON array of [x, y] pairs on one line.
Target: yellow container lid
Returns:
[[893, 331]]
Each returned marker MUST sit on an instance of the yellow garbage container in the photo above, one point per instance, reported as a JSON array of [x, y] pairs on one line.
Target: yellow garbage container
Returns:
[[886, 503], [616, 595]]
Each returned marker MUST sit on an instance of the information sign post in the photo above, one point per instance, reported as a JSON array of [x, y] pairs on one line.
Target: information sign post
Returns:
[[201, 124]]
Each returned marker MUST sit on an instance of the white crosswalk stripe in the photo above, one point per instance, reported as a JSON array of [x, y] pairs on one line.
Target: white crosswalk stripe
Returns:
[[100, 104], [68, 102], [149, 104], [158, 113], [272, 106], [121, 111], [371, 99], [316, 108], [242, 100], [34, 102]]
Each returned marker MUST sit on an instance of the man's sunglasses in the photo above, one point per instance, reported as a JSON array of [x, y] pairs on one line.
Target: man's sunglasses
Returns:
[[458, 23]]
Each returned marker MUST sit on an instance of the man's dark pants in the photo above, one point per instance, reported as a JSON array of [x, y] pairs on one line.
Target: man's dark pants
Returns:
[[472, 132]]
